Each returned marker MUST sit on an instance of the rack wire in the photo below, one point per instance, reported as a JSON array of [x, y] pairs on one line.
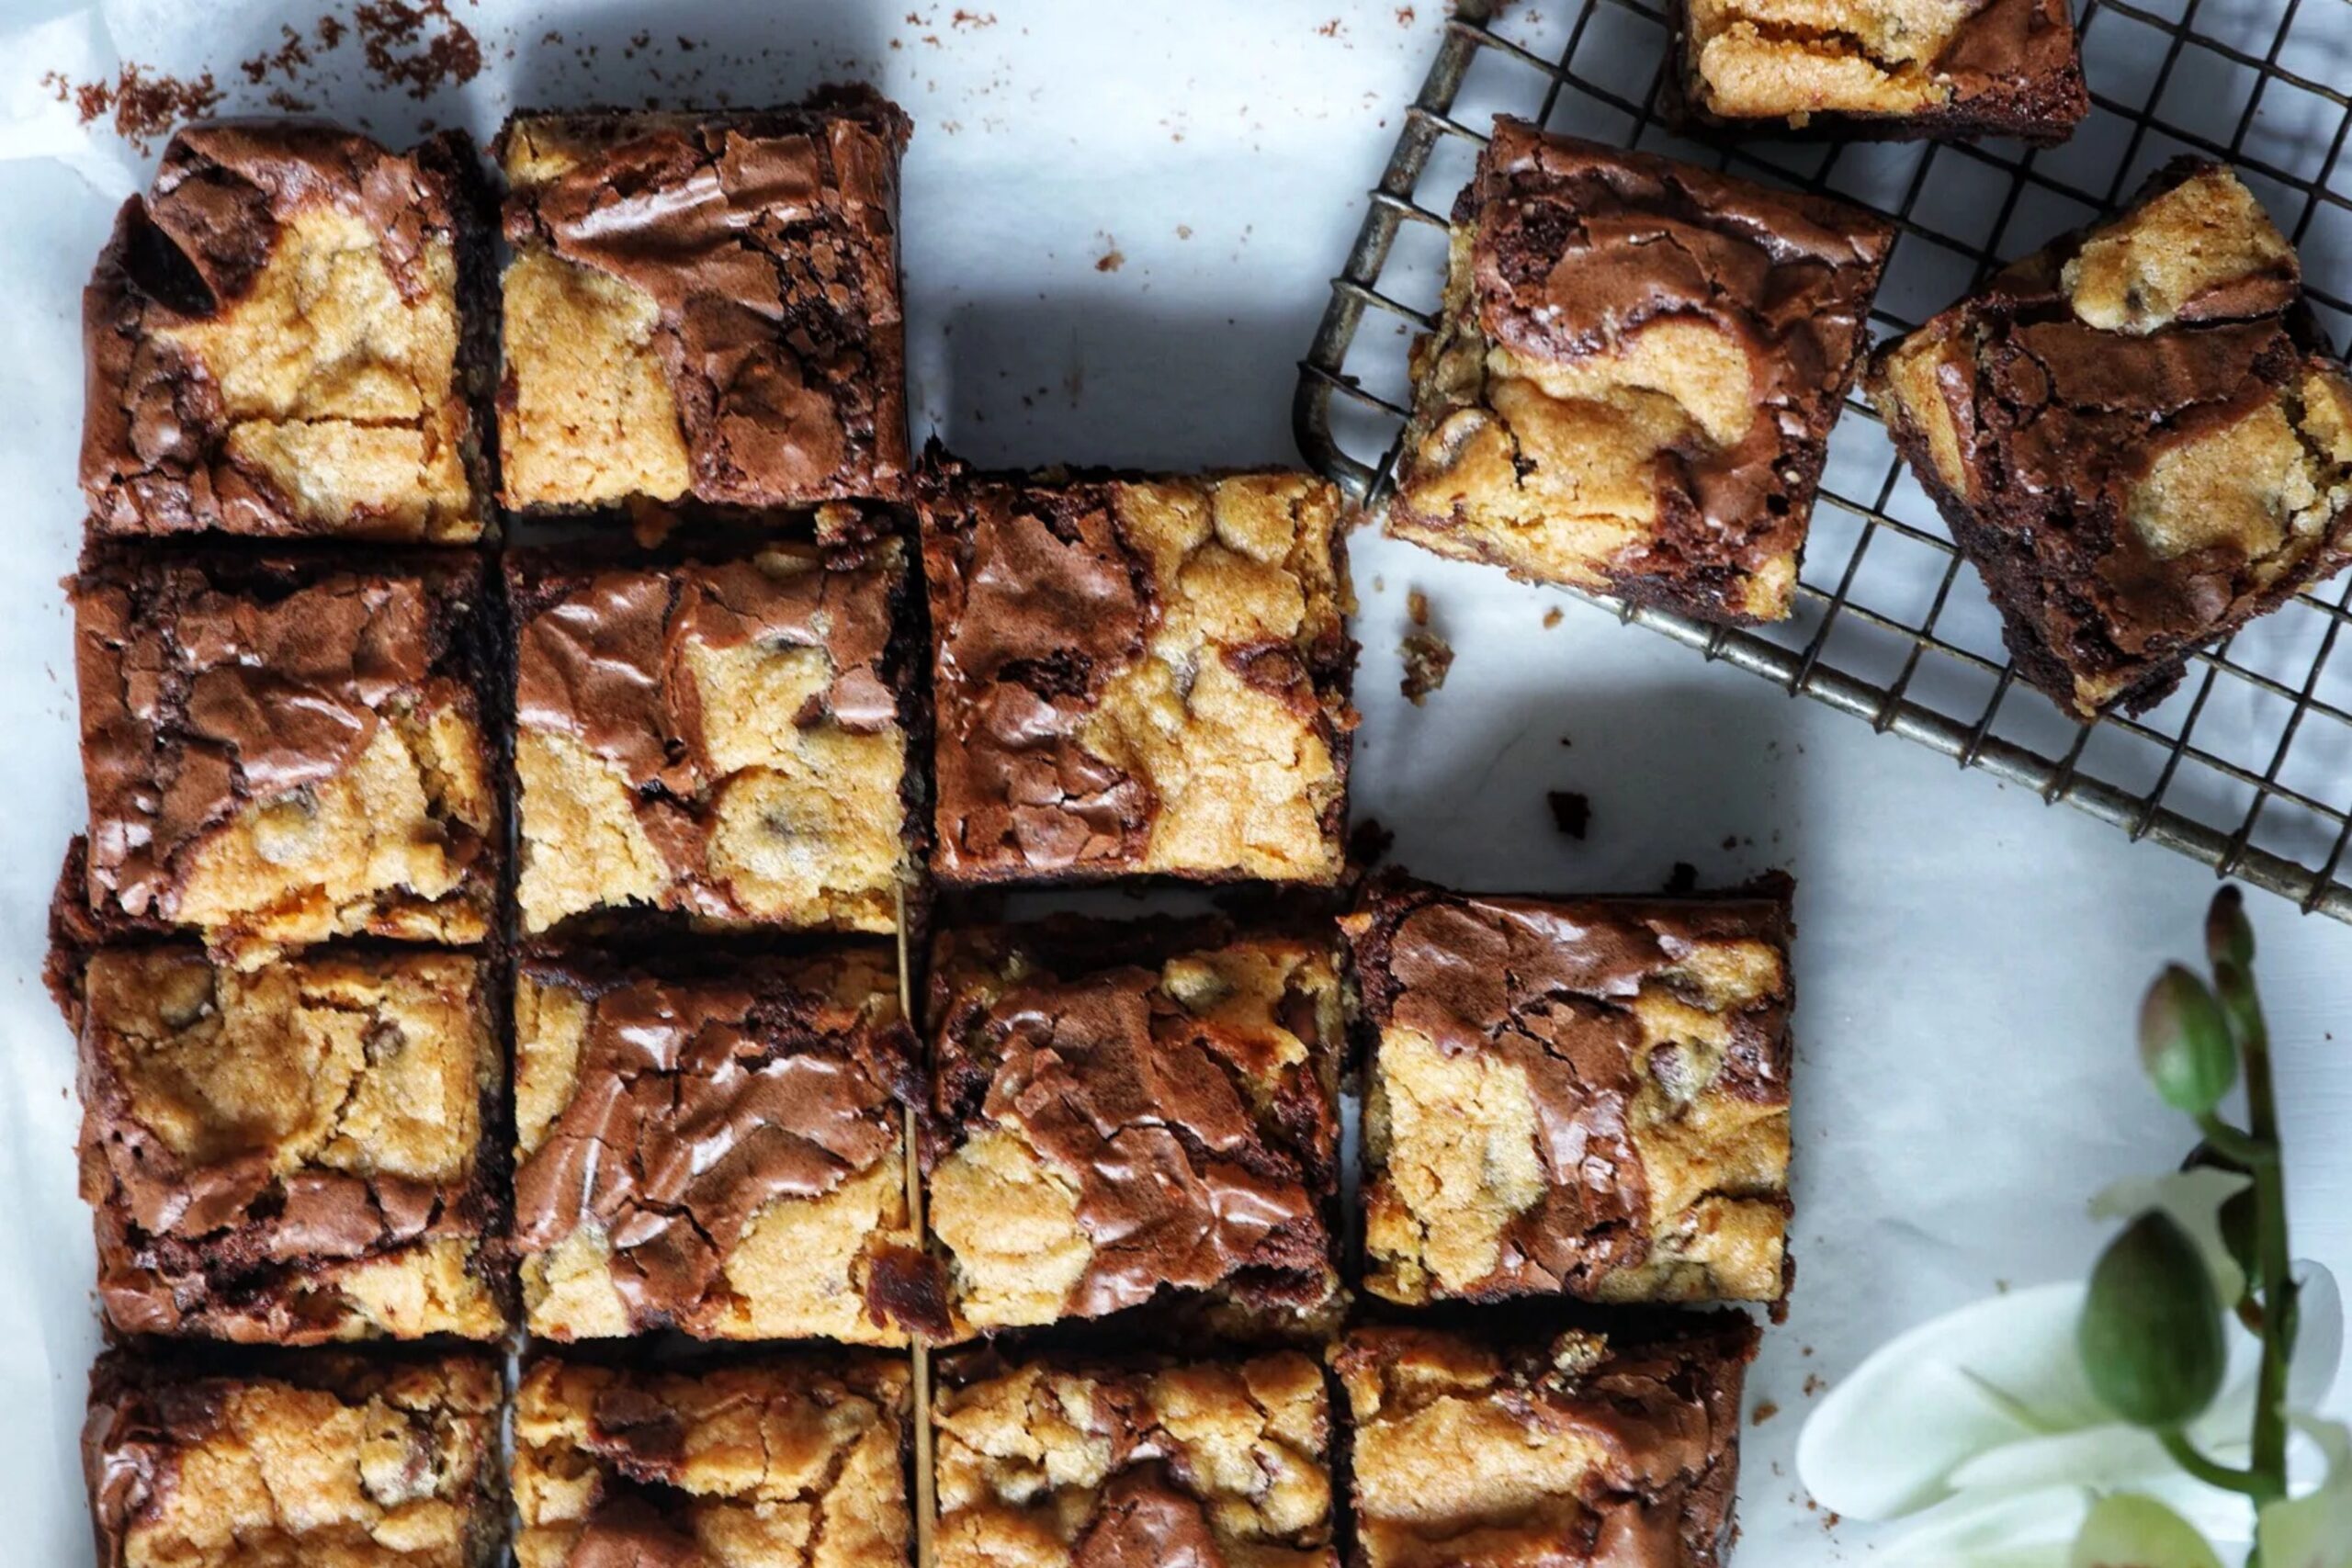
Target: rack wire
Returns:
[[2248, 767]]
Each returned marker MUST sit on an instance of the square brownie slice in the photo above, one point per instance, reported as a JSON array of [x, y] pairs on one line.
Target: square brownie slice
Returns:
[[288, 336], [1055, 1465], [723, 739], [1589, 1449], [1137, 676], [716, 1149], [281, 748], [1950, 69], [309, 1457], [296, 1154], [1633, 375], [1133, 1111], [779, 1461], [704, 306], [2137, 435], [1586, 1096]]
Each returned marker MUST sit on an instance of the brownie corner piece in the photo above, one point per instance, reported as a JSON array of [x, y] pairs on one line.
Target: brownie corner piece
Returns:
[[1616, 1447], [1058, 1463], [2136, 436], [1135, 1115], [778, 1458], [704, 306], [296, 1154], [283, 747], [284, 337], [1585, 1097], [309, 1456], [1882, 68], [1634, 374], [718, 738], [716, 1149], [1137, 676]]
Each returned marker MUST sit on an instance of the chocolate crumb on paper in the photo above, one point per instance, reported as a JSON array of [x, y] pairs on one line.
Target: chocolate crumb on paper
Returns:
[[144, 104], [420, 48], [1426, 658], [1571, 812]]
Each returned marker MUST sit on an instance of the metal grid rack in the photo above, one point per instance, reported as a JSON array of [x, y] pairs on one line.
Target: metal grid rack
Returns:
[[2248, 767]]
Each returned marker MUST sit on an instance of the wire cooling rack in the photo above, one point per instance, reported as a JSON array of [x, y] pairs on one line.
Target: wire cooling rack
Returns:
[[2246, 768]]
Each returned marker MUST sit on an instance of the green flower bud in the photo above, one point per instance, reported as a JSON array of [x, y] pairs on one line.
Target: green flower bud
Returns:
[[2229, 935], [2151, 1331], [2185, 1043]]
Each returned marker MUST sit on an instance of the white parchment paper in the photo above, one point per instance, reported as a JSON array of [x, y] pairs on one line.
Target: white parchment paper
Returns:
[[1119, 224]]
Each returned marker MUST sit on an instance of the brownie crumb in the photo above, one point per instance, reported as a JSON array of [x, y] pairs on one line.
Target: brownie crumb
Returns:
[[1552, 618], [143, 106], [1426, 658], [1683, 879], [1369, 843], [1404, 16], [289, 56], [1571, 812], [420, 47], [1110, 260], [1417, 606], [1764, 1413]]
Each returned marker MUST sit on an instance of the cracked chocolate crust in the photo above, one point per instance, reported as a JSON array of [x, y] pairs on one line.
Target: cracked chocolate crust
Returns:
[[1136, 676], [1861, 68], [2136, 435], [284, 746], [720, 735], [716, 293], [773, 1460], [309, 1456], [1143, 1462], [1135, 1115], [298, 1156], [222, 396], [1618, 1449], [716, 1147], [1634, 376], [1581, 1096]]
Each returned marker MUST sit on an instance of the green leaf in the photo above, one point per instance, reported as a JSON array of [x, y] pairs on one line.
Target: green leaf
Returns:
[[2150, 1336], [2313, 1530], [2129, 1532], [2185, 1043]]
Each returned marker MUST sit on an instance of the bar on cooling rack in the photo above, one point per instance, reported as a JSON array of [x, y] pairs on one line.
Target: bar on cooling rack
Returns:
[[2137, 435], [1630, 388]]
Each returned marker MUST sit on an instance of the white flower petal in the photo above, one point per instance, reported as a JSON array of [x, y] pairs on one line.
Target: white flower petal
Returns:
[[2315, 1530], [2194, 1199], [2319, 1341], [2141, 1531], [2108, 1457], [2016, 1531], [1887, 1440]]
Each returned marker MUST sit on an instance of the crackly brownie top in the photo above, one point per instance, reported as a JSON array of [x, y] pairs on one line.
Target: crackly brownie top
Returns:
[[1137, 675], [2141, 423], [1132, 1109], [274, 339], [249, 1139], [1981, 64], [763, 245], [259, 730], [776, 1462], [1588, 1449], [672, 1114], [1636, 372], [1215, 1464], [318, 1458], [722, 737], [1623, 1065]]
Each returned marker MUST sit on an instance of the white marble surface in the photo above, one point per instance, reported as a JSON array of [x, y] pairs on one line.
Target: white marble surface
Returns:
[[1969, 962]]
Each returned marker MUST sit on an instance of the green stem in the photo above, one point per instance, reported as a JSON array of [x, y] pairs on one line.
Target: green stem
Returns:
[[2184, 1454], [2233, 1145], [2269, 1457]]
